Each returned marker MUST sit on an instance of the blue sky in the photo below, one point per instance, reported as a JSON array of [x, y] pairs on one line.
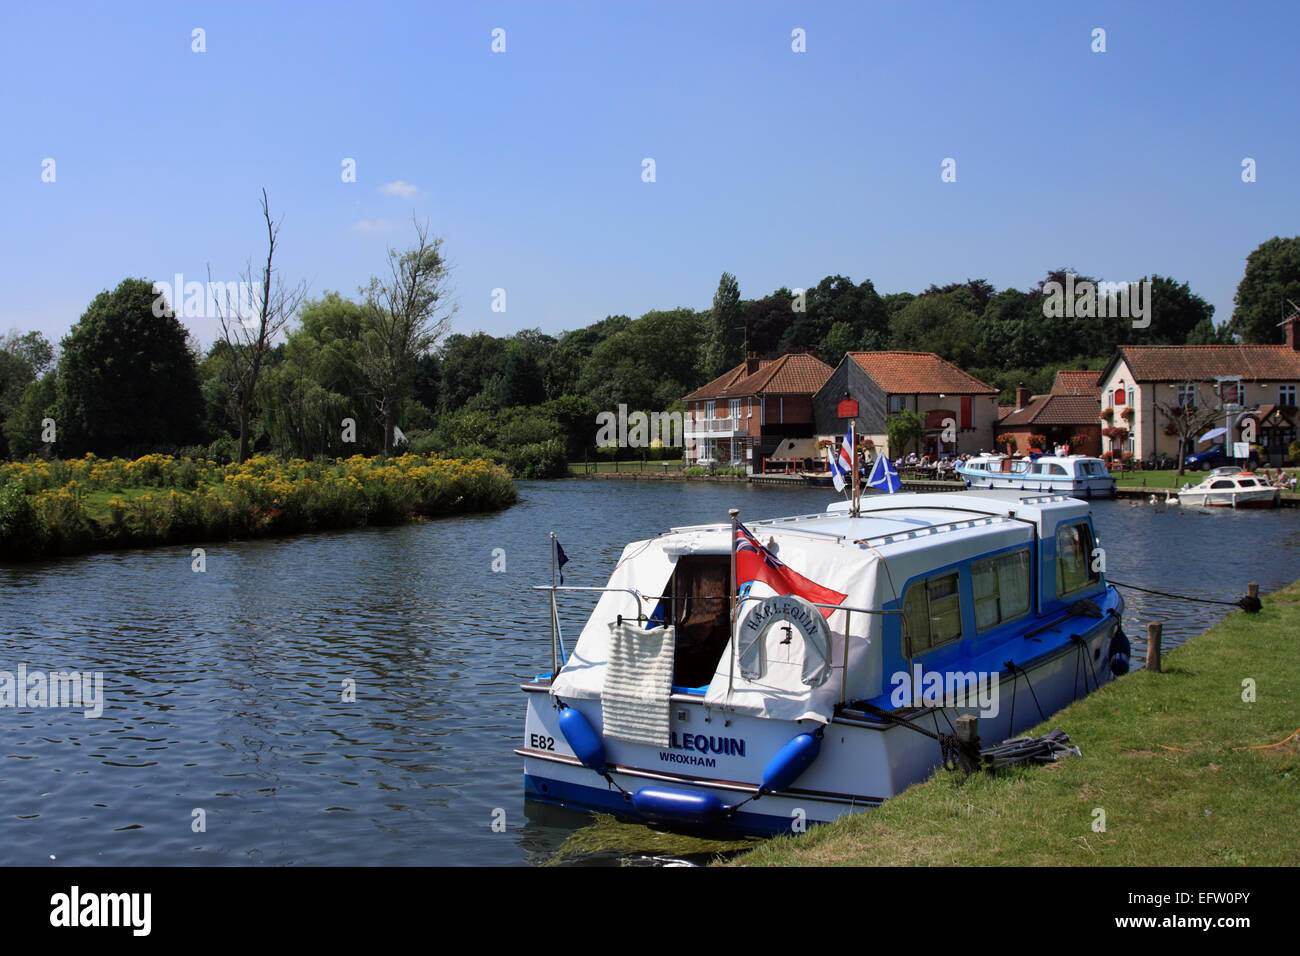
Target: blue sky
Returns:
[[780, 167]]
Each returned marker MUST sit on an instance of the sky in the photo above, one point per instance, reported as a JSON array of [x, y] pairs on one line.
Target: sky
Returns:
[[777, 165]]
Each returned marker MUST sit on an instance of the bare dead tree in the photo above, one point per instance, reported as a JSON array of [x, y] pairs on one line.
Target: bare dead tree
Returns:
[[1188, 420], [263, 307], [406, 315]]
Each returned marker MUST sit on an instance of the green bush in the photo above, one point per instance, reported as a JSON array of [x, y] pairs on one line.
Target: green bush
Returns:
[[540, 460]]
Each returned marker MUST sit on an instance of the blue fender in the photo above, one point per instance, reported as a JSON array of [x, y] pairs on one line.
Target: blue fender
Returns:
[[1118, 653], [677, 806], [791, 760], [582, 737]]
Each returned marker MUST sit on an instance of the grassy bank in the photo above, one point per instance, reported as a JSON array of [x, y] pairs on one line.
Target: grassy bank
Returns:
[[1186, 772], [50, 508]]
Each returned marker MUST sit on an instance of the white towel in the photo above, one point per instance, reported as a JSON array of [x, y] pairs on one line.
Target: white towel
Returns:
[[638, 681]]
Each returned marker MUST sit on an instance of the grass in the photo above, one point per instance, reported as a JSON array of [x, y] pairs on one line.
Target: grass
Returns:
[[603, 467], [1185, 771]]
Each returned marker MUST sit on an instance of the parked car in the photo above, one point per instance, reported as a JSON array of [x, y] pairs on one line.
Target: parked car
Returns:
[[1214, 457]]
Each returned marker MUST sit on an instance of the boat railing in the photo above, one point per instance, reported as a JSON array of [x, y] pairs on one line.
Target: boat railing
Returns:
[[848, 609]]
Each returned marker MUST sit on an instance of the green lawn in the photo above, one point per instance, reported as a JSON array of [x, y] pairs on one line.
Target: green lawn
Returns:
[[576, 467], [1185, 771]]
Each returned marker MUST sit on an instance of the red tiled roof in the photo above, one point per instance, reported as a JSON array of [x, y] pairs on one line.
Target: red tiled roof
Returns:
[[1201, 363], [918, 373], [1055, 410], [794, 374], [1071, 381]]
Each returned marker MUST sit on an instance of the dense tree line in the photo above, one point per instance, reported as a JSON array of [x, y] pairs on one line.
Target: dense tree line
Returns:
[[128, 381]]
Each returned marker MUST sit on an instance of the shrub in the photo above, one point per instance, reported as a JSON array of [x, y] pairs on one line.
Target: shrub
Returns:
[[544, 459]]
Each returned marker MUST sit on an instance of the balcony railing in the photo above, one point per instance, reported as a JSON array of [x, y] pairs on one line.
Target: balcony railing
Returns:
[[716, 426]]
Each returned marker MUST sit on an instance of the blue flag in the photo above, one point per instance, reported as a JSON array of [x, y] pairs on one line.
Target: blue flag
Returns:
[[561, 559], [883, 477]]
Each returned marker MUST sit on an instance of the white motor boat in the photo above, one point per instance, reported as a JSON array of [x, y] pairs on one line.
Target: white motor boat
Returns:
[[1230, 488], [1076, 475], [754, 678]]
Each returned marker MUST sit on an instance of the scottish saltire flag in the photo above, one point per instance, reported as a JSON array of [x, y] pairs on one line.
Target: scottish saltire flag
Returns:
[[883, 476], [755, 563], [837, 474]]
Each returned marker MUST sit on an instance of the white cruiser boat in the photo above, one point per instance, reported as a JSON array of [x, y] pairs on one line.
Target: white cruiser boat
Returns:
[[1075, 475], [857, 643], [1230, 488]]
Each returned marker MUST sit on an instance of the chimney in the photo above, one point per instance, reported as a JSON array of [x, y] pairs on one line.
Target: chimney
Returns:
[[751, 363], [1022, 396], [1290, 332]]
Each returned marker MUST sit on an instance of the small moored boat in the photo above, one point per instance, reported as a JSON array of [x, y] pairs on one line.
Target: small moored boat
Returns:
[[1230, 488], [754, 678], [1076, 475]]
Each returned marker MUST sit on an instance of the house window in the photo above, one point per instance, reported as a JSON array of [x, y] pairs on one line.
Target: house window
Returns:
[[1001, 588], [1073, 558], [931, 613], [1130, 396], [897, 403], [708, 410], [1187, 396], [1286, 395], [735, 408]]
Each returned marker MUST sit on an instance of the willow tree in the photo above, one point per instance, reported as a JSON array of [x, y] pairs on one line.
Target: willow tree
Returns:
[[406, 314]]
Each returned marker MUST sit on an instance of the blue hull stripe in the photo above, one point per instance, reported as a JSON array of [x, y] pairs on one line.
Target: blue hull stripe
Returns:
[[580, 797]]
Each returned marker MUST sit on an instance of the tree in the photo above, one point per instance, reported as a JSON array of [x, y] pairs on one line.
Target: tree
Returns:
[[23, 425], [723, 345], [251, 336], [127, 380], [1176, 311], [1187, 421], [945, 323], [1272, 277], [903, 428], [406, 315]]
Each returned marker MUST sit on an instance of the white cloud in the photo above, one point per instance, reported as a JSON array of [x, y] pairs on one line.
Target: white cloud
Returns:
[[400, 189], [374, 225]]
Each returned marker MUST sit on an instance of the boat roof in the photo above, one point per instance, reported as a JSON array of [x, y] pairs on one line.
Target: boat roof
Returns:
[[885, 519]]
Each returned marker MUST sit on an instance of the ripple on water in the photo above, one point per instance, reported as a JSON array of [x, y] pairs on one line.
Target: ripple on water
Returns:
[[225, 691]]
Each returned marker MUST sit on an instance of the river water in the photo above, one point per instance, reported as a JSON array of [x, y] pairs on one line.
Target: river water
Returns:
[[229, 735]]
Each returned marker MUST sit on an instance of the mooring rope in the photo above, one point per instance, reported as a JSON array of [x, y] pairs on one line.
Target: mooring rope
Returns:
[[1248, 604]]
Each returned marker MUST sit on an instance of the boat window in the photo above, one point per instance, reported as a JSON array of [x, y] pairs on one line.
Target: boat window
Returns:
[[1248, 483], [1073, 558], [1057, 470], [701, 612], [1222, 484], [1001, 588], [932, 613]]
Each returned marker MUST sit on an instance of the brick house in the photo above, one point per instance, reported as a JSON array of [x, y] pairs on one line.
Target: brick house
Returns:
[[885, 383], [1143, 385], [1065, 414], [760, 409]]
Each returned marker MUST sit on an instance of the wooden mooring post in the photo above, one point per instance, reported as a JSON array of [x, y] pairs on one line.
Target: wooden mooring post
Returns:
[[968, 743], [1153, 646]]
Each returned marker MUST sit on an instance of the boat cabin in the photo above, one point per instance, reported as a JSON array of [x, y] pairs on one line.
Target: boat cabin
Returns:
[[966, 580]]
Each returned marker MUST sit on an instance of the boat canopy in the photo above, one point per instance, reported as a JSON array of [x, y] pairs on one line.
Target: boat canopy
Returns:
[[869, 558]]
